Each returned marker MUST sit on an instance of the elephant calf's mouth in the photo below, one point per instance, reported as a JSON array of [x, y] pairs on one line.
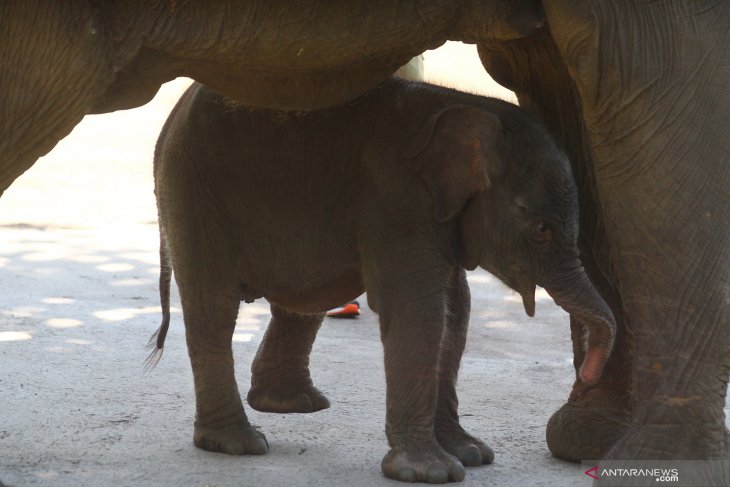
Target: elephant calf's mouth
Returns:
[[525, 287], [528, 298]]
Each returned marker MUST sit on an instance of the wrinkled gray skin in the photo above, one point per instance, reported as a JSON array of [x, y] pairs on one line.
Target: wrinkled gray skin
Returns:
[[60, 61], [395, 193], [637, 93]]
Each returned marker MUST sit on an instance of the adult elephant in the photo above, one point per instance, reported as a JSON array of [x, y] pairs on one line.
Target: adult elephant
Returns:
[[638, 94], [60, 61]]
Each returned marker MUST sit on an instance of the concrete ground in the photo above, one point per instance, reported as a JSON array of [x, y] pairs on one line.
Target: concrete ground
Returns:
[[78, 270]]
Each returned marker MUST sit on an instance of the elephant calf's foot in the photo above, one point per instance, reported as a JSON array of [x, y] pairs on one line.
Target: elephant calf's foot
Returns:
[[282, 399], [471, 451], [422, 464], [235, 439], [586, 428]]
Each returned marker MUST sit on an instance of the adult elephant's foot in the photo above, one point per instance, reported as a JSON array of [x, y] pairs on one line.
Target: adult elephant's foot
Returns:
[[684, 441], [588, 425], [701, 451], [286, 397], [235, 439], [421, 463], [471, 451]]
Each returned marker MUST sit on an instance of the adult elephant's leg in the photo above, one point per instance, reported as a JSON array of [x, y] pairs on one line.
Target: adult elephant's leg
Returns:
[[594, 416], [54, 59], [672, 269], [660, 147], [451, 436], [280, 380]]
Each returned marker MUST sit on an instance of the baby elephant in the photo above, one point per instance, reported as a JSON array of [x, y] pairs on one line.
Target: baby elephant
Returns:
[[395, 193]]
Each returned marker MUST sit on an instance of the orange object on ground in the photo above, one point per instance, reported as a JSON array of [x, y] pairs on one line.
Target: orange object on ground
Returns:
[[349, 310]]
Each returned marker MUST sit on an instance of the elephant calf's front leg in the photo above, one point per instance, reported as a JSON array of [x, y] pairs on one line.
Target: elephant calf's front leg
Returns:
[[280, 380], [471, 451], [411, 331]]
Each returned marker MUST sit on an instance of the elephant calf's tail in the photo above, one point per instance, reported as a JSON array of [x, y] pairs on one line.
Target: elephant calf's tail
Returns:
[[157, 341]]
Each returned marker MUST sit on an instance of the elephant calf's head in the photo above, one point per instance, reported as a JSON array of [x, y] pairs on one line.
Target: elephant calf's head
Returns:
[[500, 178]]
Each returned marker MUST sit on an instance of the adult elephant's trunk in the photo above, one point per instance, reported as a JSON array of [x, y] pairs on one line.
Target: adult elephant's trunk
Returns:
[[575, 294]]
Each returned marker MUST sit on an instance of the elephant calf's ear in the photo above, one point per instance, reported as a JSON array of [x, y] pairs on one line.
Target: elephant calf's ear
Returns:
[[454, 152]]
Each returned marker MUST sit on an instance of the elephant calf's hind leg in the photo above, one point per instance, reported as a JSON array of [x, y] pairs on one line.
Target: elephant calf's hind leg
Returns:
[[220, 423], [280, 380]]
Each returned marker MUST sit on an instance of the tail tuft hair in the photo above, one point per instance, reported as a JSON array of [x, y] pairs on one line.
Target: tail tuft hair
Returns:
[[156, 343]]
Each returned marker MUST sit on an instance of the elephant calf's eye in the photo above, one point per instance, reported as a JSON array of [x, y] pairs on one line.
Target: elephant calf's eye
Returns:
[[542, 234]]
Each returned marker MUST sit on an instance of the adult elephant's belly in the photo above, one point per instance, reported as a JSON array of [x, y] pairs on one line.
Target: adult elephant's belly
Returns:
[[317, 296]]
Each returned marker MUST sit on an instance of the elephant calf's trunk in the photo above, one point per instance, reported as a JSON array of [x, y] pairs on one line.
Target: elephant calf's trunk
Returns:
[[578, 297]]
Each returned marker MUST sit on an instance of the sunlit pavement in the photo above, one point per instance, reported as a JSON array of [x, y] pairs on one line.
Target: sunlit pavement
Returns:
[[79, 269]]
